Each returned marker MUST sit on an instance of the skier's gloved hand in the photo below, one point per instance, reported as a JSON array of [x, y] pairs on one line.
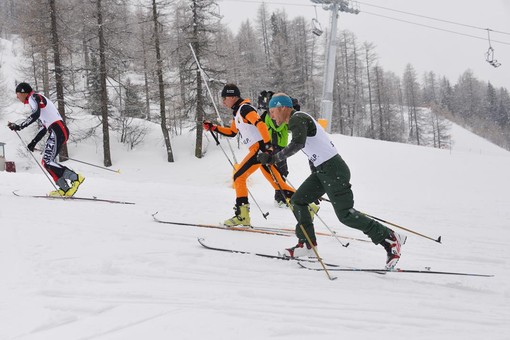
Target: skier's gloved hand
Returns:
[[208, 126], [265, 158], [14, 126], [31, 146], [265, 147]]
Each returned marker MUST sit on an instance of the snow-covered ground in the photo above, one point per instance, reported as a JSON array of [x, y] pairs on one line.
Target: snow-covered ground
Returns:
[[88, 270]]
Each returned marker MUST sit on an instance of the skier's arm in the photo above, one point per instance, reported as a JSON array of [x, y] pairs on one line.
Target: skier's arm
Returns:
[[254, 119], [296, 144], [39, 136], [36, 113], [227, 131], [299, 126]]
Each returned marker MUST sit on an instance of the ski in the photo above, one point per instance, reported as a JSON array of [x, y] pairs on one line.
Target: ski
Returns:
[[318, 233], [269, 256], [251, 229], [74, 198], [396, 270], [223, 227]]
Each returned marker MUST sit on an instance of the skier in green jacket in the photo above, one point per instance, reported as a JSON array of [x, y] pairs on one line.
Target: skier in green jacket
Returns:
[[279, 140], [330, 175]]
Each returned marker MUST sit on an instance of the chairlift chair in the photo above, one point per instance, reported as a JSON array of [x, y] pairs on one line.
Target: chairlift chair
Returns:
[[489, 55], [316, 27]]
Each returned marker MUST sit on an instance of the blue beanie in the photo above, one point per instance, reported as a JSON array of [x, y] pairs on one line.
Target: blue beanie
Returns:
[[279, 101]]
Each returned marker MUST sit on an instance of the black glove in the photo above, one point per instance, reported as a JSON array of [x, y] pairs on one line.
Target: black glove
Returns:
[[265, 147], [265, 158], [31, 145], [14, 127], [208, 126]]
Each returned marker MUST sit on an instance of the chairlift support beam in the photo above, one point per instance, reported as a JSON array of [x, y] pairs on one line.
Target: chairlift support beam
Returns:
[[334, 6]]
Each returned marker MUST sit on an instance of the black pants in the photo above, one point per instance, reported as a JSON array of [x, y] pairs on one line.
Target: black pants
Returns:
[[59, 133], [332, 178]]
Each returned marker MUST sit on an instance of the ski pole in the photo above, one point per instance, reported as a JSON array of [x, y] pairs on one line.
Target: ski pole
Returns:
[[221, 147], [203, 74], [94, 165], [302, 228], [77, 160], [333, 233], [35, 160], [249, 192], [438, 240]]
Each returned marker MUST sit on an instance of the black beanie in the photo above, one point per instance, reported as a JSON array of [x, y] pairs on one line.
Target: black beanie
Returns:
[[230, 90], [23, 88]]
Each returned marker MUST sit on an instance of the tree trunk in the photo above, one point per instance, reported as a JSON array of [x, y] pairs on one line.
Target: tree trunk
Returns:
[[198, 79], [59, 81], [159, 63], [369, 84], [45, 74], [104, 92], [380, 85], [146, 78]]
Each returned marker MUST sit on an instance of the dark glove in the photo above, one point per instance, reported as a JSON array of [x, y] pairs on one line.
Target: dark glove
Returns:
[[208, 126], [265, 147], [31, 146], [265, 158], [14, 127]]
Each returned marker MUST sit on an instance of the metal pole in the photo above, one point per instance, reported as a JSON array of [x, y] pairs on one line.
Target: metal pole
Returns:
[[94, 165], [203, 74], [329, 63], [438, 240], [329, 70]]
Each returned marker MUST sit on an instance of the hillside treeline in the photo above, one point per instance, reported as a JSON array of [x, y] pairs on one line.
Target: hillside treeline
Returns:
[[123, 61]]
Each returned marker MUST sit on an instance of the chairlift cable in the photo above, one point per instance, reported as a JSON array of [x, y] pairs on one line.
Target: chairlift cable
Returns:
[[431, 18], [400, 20], [435, 28]]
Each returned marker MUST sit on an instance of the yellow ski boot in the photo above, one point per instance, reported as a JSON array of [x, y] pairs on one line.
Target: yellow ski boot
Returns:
[[57, 193], [75, 185], [241, 218], [313, 209]]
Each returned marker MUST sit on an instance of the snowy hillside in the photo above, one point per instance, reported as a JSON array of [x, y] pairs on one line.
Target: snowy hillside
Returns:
[[87, 270]]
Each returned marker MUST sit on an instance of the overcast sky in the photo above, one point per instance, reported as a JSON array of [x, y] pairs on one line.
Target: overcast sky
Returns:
[[398, 43]]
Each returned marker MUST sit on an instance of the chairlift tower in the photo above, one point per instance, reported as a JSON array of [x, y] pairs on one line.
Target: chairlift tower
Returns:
[[334, 6]]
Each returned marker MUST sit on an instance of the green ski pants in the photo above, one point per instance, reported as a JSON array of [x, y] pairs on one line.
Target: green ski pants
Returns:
[[332, 178]]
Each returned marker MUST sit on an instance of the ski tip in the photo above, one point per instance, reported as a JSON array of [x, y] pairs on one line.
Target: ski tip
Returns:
[[118, 171], [439, 240]]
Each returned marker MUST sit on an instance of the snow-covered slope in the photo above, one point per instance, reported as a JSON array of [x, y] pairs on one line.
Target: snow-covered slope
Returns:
[[88, 270]]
